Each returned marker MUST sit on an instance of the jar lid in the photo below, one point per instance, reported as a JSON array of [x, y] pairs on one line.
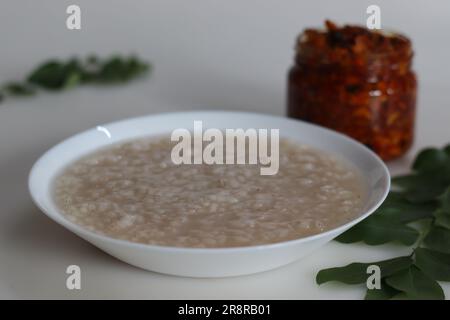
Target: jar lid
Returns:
[[352, 45]]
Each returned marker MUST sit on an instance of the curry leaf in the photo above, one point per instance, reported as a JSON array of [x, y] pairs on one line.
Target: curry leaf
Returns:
[[18, 89], [384, 293], [445, 200], [415, 284], [424, 187], [72, 80], [429, 160], [434, 264], [438, 239], [355, 273], [422, 198], [426, 192], [61, 75], [376, 230], [405, 211], [442, 218], [49, 75], [447, 149], [409, 180]]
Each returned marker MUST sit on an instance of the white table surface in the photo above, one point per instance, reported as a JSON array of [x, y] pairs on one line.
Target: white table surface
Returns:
[[207, 54]]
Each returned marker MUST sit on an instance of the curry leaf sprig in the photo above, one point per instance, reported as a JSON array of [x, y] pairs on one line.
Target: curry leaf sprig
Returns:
[[60, 75], [416, 213]]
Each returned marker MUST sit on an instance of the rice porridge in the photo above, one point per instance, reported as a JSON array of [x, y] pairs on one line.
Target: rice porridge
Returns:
[[133, 191]]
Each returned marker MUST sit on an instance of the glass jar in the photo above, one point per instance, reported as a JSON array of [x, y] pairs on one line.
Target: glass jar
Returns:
[[358, 82]]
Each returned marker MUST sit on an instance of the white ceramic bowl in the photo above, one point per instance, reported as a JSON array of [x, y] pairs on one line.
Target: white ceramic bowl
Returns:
[[194, 262]]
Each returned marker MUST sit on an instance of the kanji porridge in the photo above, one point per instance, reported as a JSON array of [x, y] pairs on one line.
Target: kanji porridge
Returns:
[[133, 191]]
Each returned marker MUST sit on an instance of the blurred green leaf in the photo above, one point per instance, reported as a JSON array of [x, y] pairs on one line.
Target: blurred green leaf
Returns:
[[425, 193], [49, 75], [445, 200], [430, 159], [56, 75], [442, 218], [73, 79], [438, 239], [447, 149], [409, 180], [18, 89]]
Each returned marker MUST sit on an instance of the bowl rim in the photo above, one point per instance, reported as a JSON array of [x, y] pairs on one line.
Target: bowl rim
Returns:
[[58, 217]]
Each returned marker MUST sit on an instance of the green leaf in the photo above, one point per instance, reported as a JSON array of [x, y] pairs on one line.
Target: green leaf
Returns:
[[394, 197], [398, 209], [430, 159], [446, 149], [355, 273], [72, 80], [409, 181], [445, 200], [112, 71], [386, 292], [442, 218], [117, 69], [18, 89], [57, 75], [424, 187], [62, 75], [422, 198], [49, 75], [376, 230], [400, 296], [92, 60], [425, 193], [416, 285], [434, 264], [135, 67], [438, 239]]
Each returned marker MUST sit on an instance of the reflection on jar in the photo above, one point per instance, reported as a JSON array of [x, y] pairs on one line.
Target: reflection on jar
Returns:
[[358, 82]]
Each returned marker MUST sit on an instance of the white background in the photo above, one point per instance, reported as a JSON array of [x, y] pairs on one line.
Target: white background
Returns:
[[207, 54]]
